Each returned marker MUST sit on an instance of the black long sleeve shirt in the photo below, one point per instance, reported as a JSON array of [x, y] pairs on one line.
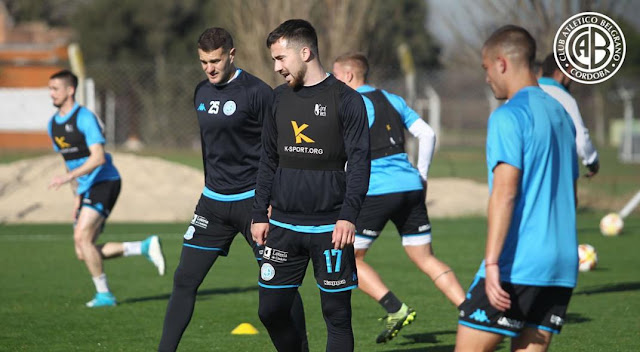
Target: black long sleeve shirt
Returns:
[[304, 196]]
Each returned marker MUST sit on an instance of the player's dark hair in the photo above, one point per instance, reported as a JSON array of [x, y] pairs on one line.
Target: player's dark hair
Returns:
[[356, 59], [299, 32], [549, 66], [214, 38], [70, 80], [514, 41]]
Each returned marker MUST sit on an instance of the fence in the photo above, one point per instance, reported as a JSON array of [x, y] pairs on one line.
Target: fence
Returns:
[[153, 104]]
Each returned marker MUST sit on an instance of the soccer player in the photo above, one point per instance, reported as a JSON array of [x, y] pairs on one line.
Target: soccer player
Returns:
[[396, 192], [557, 84], [530, 265], [77, 135], [314, 172], [230, 105]]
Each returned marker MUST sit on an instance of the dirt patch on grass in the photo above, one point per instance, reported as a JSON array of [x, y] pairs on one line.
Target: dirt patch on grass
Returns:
[[155, 190]]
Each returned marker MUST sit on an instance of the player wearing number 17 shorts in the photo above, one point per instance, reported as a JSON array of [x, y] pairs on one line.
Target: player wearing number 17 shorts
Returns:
[[314, 172]]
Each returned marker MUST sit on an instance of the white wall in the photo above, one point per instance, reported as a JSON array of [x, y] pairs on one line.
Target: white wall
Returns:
[[25, 109]]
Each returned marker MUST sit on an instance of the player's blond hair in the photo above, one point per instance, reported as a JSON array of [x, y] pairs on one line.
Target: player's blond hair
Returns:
[[358, 63]]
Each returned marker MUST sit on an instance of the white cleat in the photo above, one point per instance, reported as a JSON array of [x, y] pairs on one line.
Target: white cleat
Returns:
[[152, 249]]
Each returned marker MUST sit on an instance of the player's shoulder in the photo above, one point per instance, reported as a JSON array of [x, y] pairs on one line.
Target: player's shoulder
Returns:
[[200, 86], [281, 89], [85, 113], [346, 93], [559, 94], [391, 96], [252, 83], [505, 111]]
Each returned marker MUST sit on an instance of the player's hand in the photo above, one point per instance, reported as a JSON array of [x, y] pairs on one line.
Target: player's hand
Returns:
[[259, 232], [344, 233], [58, 181], [498, 297], [593, 169]]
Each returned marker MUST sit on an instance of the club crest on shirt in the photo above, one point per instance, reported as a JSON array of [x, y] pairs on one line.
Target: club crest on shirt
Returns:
[[68, 127], [229, 107]]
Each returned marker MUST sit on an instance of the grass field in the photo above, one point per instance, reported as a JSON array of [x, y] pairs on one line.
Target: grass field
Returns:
[[43, 289]]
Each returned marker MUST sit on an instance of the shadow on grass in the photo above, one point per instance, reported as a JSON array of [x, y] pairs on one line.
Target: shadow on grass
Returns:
[[445, 348], [576, 318], [427, 337], [201, 294], [618, 287]]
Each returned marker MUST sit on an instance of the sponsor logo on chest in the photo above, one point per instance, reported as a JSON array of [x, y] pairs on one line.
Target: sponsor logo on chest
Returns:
[[320, 110]]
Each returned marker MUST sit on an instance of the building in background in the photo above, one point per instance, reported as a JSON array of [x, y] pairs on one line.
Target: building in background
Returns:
[[29, 54]]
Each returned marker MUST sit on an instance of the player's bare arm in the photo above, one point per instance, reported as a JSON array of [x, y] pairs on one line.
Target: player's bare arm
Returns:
[[501, 202], [96, 159]]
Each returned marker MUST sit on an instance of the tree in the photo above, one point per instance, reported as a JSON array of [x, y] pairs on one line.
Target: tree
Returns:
[[121, 30], [52, 12], [398, 22]]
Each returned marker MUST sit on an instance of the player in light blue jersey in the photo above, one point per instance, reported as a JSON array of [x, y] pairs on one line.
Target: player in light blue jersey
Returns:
[[77, 135], [396, 192], [555, 83], [524, 284]]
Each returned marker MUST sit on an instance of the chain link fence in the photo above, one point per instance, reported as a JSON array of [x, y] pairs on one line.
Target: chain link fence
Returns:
[[151, 106]]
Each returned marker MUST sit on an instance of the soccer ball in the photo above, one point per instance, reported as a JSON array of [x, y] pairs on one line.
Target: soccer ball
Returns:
[[611, 224], [588, 257]]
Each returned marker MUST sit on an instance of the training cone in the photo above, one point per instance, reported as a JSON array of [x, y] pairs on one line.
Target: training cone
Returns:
[[244, 329]]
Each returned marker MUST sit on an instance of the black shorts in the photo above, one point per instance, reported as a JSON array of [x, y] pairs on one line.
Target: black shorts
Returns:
[[215, 224], [539, 307], [101, 197], [287, 253], [406, 210]]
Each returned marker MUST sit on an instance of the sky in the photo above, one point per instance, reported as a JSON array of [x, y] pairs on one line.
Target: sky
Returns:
[[466, 15]]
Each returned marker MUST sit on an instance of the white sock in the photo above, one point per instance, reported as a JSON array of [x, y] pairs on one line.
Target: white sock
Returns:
[[132, 248], [101, 283]]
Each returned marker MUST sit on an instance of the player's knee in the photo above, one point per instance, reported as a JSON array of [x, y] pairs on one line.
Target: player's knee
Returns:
[[81, 239], [271, 313], [337, 309], [274, 305], [184, 280]]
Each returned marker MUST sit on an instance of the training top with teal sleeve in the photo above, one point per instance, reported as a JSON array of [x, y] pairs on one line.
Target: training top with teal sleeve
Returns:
[[534, 133], [395, 173], [72, 135]]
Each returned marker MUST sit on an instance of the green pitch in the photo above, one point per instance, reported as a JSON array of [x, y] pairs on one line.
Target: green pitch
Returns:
[[43, 289]]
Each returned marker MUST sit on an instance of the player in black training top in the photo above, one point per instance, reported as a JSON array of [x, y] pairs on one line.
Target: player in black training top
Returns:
[[314, 172], [231, 105]]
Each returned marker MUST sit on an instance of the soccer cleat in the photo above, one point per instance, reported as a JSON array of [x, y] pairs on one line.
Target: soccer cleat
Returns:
[[394, 322], [152, 249], [104, 299]]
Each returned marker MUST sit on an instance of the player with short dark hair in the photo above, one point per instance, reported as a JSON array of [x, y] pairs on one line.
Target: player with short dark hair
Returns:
[[77, 135], [231, 106], [396, 192], [557, 84], [524, 284], [314, 172]]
